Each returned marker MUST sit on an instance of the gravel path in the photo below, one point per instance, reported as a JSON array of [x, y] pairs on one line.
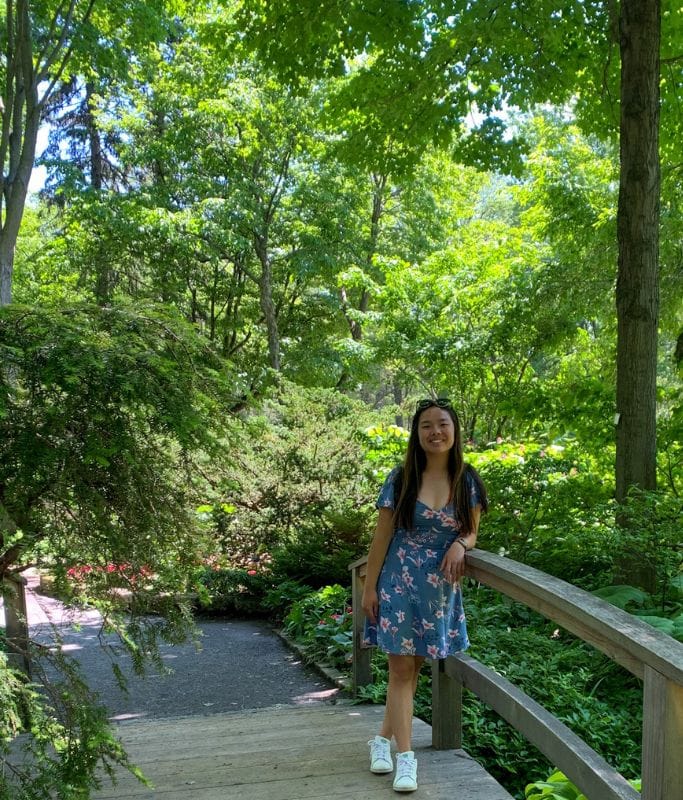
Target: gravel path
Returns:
[[240, 665]]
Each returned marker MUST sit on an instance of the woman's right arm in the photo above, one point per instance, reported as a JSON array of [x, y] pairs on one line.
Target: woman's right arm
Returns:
[[378, 550]]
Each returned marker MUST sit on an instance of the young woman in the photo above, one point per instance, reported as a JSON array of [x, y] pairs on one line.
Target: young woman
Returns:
[[429, 513]]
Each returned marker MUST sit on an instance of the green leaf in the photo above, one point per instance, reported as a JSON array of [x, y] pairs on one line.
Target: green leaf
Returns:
[[661, 623], [622, 595]]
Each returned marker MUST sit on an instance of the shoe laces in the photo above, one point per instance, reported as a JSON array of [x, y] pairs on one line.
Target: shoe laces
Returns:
[[378, 748], [404, 767]]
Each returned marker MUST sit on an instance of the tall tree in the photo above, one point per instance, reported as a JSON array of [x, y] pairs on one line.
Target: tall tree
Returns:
[[44, 45], [638, 237], [419, 70]]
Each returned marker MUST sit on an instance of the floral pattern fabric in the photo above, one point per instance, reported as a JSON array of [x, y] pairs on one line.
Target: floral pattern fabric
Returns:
[[420, 613]]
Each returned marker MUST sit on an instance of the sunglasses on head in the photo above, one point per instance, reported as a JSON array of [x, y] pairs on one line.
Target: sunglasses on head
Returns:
[[439, 402]]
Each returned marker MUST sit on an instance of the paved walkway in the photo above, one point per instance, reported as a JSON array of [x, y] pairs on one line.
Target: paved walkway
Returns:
[[240, 665]]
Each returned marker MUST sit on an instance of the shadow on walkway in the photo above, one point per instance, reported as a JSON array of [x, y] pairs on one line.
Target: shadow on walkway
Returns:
[[240, 665]]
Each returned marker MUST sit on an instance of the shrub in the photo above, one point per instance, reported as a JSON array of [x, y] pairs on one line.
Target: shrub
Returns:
[[558, 787], [298, 491], [551, 508], [322, 622], [233, 592]]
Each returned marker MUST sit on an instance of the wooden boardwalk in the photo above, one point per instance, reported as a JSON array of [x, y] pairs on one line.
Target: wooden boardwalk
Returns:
[[284, 753]]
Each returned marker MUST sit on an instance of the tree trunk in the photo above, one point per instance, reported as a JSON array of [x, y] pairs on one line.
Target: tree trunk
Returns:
[[637, 295], [379, 183], [265, 284], [20, 122], [95, 141]]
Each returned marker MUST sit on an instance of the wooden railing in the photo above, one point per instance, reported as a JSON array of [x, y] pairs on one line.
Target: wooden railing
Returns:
[[16, 624], [654, 657]]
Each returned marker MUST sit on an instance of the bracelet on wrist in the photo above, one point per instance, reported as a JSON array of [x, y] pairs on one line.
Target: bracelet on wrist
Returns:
[[462, 542]]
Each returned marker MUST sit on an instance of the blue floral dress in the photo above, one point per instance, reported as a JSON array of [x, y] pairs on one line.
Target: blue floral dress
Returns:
[[420, 613]]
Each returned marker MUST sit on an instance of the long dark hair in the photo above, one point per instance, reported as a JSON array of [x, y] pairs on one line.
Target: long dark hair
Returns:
[[409, 477]]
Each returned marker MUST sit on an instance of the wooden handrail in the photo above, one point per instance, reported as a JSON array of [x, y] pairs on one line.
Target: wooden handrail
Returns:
[[13, 592], [646, 652]]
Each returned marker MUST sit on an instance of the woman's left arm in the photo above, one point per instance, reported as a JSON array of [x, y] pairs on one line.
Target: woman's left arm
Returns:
[[453, 563]]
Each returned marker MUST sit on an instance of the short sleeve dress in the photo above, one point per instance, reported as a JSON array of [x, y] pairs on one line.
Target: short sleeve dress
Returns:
[[420, 613]]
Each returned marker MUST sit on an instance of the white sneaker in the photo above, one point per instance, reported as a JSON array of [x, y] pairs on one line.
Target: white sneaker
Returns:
[[406, 772], [380, 755]]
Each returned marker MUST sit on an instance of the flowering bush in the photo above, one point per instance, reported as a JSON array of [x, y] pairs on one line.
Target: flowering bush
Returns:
[[322, 622], [232, 591], [128, 574]]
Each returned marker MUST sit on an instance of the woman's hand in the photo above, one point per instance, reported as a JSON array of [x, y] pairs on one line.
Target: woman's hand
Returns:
[[370, 604], [453, 563]]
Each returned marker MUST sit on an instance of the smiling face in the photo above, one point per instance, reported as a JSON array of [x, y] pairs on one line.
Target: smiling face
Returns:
[[435, 430]]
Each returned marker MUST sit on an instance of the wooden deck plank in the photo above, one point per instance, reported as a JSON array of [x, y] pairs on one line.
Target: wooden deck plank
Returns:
[[283, 753]]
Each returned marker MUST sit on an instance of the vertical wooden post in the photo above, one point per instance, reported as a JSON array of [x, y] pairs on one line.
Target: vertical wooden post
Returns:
[[446, 708], [662, 771], [16, 625], [362, 671]]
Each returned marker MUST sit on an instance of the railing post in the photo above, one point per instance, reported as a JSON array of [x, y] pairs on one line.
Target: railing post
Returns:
[[446, 708], [362, 656], [662, 771], [16, 625]]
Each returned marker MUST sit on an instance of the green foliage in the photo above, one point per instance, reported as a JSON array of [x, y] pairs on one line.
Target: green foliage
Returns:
[[55, 743], [641, 604], [559, 787], [101, 411], [282, 597], [550, 507], [300, 495], [650, 529], [596, 698], [232, 592], [104, 414], [322, 622], [383, 448], [315, 557]]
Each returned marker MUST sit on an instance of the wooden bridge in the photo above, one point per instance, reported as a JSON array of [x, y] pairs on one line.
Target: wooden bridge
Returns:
[[654, 657], [288, 753], [285, 753]]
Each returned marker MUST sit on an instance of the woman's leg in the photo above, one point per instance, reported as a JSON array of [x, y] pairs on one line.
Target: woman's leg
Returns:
[[398, 717]]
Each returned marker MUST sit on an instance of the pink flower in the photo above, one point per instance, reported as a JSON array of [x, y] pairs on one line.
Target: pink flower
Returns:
[[384, 595], [407, 578], [385, 623], [433, 579], [400, 616], [428, 626], [439, 613], [407, 647], [401, 554], [251, 572], [432, 650]]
